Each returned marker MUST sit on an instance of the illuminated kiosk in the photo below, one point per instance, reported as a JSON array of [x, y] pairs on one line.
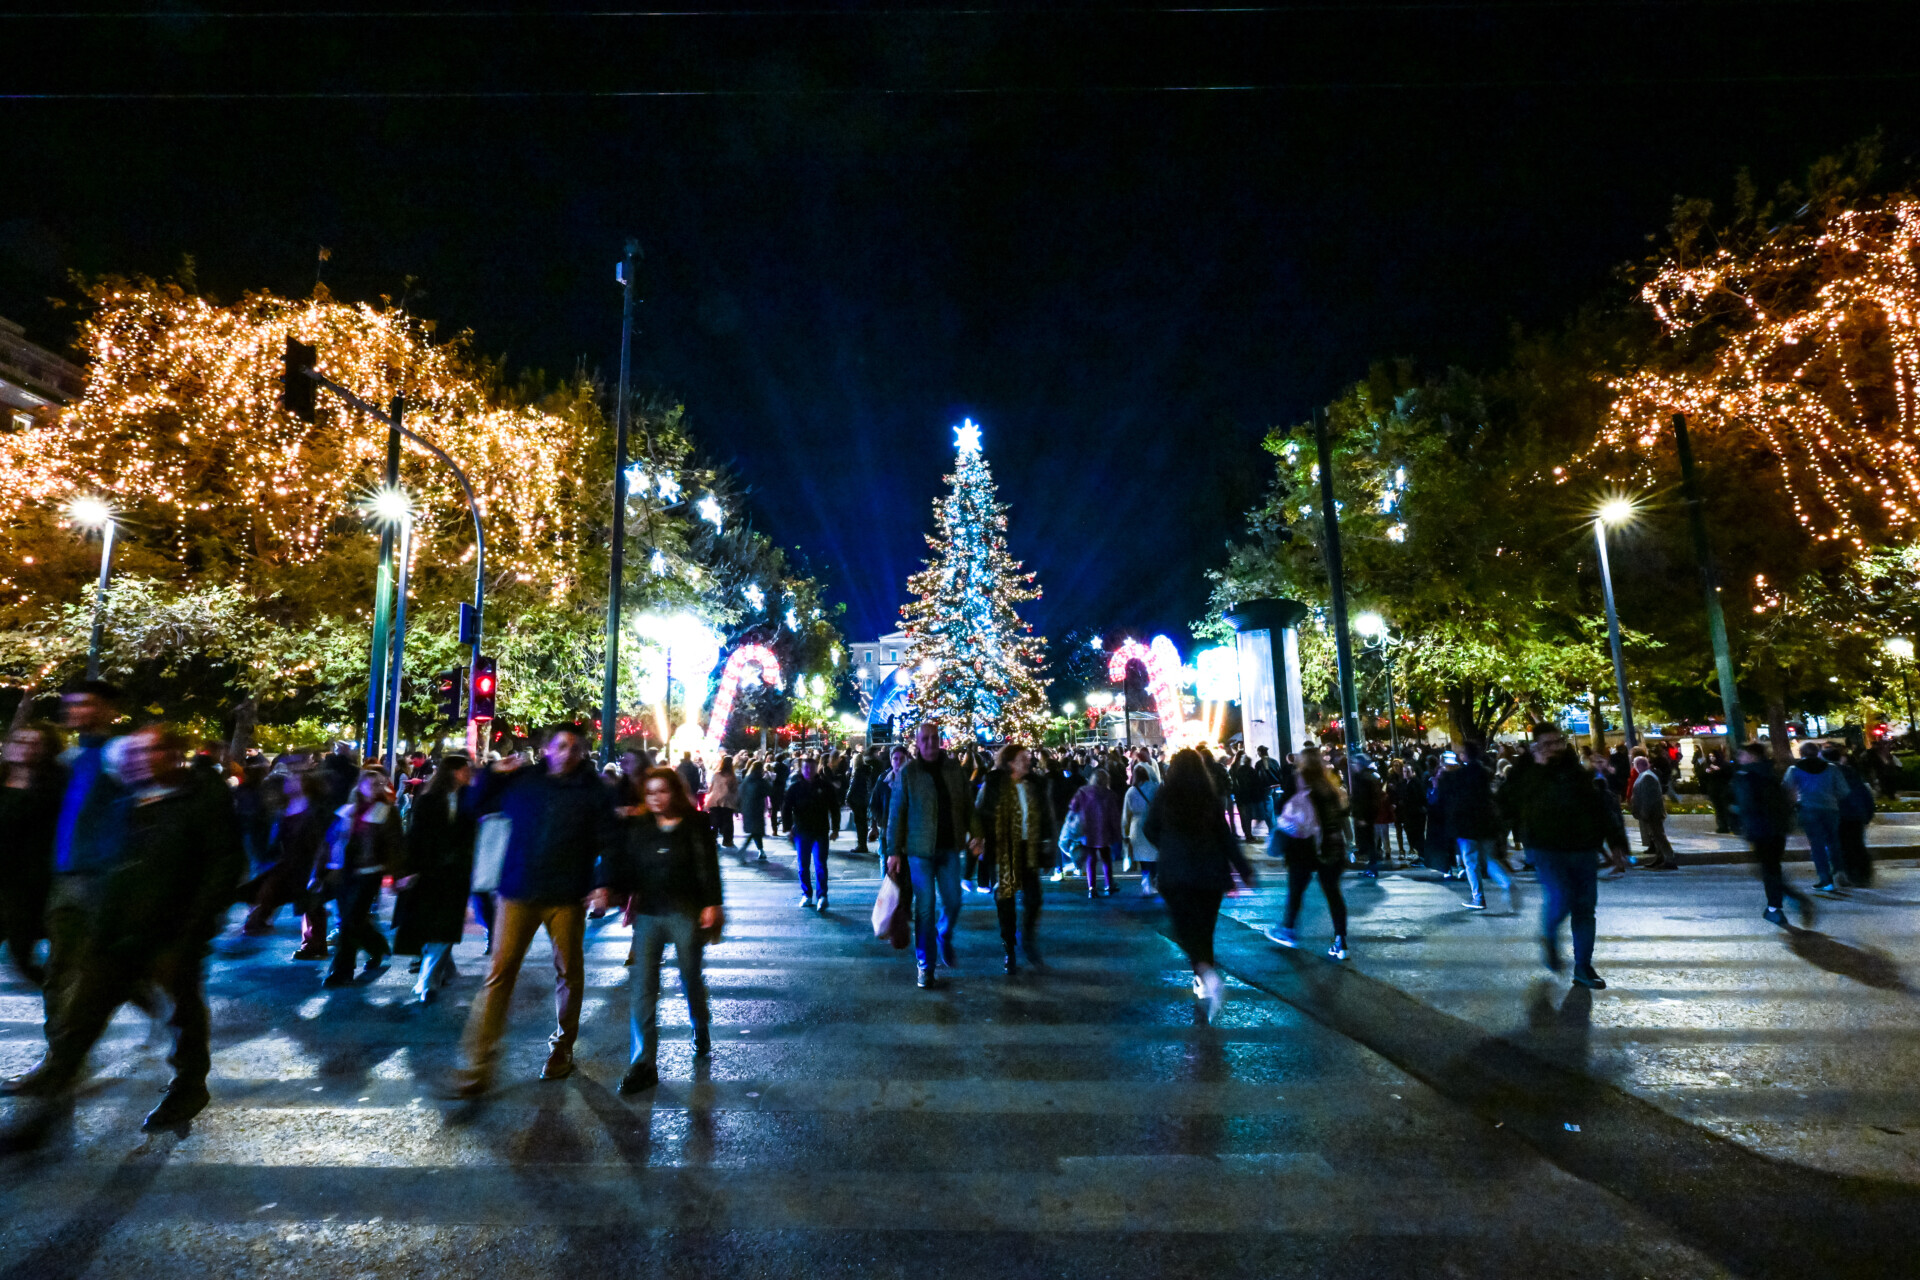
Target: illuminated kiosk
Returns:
[[1268, 645]]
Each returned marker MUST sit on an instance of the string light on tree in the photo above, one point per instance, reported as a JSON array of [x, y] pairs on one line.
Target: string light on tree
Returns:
[[978, 663]]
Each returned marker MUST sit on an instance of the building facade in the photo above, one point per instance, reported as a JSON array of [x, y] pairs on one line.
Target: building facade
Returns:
[[32, 379]]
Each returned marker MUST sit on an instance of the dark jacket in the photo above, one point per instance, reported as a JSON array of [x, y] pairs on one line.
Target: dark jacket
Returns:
[[1198, 850], [1560, 807], [913, 816], [439, 851], [753, 803], [1760, 803], [373, 846], [563, 824], [28, 818], [178, 871], [809, 805], [661, 873], [1463, 798], [860, 785]]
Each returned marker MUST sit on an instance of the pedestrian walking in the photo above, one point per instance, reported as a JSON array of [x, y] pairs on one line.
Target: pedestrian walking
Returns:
[[1464, 794], [1856, 811], [1764, 811], [1647, 799], [1015, 821], [561, 824], [755, 799], [32, 782], [1248, 793], [1817, 790], [1309, 836], [930, 826], [809, 816], [1141, 854], [1565, 817], [363, 841], [144, 897], [1716, 783], [294, 849], [666, 878], [431, 882], [1097, 805], [859, 793], [1198, 856], [723, 798], [1365, 805]]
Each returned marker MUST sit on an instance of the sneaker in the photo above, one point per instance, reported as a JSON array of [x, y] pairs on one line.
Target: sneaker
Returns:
[[1775, 915], [1282, 936], [925, 980], [559, 1065], [1199, 988], [806, 902], [820, 904], [1586, 977], [465, 1086], [1824, 888], [311, 953], [640, 1077], [430, 996], [1214, 989], [1475, 904], [1338, 951]]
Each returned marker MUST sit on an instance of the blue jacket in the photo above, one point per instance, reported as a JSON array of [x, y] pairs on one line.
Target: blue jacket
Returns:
[[89, 837], [563, 826]]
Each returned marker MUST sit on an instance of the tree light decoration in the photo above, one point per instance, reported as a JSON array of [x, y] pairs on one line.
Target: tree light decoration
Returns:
[[709, 509], [180, 420], [750, 659], [1817, 355], [980, 662], [755, 596], [1162, 662]]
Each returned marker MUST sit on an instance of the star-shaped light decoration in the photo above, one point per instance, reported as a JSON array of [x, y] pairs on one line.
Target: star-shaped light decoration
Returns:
[[755, 596], [709, 509], [966, 438]]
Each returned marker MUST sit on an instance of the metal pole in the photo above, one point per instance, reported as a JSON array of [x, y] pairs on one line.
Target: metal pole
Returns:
[[382, 609], [1710, 583], [1393, 717], [399, 653], [1337, 586], [1613, 630], [100, 601], [617, 561], [1907, 686]]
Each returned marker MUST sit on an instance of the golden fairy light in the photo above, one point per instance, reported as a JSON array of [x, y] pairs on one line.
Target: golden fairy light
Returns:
[[180, 421], [1819, 355]]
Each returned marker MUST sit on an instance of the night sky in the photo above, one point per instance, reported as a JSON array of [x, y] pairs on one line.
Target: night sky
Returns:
[[863, 224]]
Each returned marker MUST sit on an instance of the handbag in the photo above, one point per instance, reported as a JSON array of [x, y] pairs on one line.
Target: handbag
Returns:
[[893, 913], [490, 851], [1070, 835]]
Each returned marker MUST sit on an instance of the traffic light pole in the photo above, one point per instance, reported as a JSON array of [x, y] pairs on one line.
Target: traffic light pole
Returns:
[[399, 653], [295, 355], [1337, 585], [617, 559]]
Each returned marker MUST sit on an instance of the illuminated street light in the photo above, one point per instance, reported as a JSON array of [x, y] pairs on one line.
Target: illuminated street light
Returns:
[[391, 506], [1617, 511], [93, 513], [1370, 625], [1614, 511]]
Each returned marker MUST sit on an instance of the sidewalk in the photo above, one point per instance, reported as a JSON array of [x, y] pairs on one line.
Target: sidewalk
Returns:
[[1798, 1045]]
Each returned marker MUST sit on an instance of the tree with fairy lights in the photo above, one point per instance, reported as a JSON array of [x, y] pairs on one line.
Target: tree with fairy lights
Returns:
[[975, 664]]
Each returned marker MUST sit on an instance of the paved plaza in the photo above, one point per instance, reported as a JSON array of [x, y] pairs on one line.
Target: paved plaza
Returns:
[[1738, 1102]]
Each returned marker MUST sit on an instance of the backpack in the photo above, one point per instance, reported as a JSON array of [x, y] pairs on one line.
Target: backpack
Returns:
[[1298, 818]]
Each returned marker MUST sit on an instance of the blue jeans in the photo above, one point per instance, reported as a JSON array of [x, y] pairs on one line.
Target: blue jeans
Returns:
[[1823, 834], [651, 934], [813, 863], [941, 872], [1571, 882], [1483, 857]]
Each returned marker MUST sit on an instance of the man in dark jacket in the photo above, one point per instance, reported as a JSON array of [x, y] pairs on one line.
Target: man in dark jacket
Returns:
[[808, 810], [150, 899], [563, 824], [1464, 795], [1761, 806], [1247, 794], [781, 772], [930, 825], [859, 787], [1564, 817]]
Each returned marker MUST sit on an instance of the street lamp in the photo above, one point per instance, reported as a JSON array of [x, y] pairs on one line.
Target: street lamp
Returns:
[[93, 513], [1373, 632], [1615, 511], [392, 507], [1902, 649]]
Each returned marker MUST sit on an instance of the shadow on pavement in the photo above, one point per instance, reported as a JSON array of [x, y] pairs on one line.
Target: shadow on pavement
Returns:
[[1867, 967], [1758, 1216]]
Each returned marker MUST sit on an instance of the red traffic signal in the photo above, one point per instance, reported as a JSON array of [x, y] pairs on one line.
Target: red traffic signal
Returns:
[[486, 684]]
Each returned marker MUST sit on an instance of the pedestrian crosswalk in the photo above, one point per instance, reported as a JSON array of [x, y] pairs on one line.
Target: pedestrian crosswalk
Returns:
[[1072, 1119]]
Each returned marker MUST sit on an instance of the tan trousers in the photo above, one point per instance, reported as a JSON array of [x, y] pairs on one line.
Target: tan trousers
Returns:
[[514, 925]]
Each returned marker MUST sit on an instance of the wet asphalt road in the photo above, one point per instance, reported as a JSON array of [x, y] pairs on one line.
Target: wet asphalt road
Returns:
[[1075, 1120]]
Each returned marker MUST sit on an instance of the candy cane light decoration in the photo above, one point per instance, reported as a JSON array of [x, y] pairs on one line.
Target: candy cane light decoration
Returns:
[[750, 657], [1162, 662]]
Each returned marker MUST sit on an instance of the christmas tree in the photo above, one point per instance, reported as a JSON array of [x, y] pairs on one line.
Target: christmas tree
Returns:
[[975, 664]]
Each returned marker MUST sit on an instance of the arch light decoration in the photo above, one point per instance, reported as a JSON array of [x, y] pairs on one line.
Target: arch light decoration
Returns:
[[1162, 662], [756, 659]]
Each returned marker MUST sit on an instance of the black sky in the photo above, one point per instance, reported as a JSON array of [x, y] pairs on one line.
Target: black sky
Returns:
[[862, 224]]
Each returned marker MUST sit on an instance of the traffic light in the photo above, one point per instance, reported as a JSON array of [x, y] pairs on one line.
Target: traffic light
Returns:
[[486, 683], [296, 388], [447, 693]]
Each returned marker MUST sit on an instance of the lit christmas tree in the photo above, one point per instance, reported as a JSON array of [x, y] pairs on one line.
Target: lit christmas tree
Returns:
[[975, 664]]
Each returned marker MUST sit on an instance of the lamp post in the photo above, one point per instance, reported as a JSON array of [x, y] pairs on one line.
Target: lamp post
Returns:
[[1902, 649], [1373, 631], [617, 559], [1617, 511], [92, 513], [395, 510]]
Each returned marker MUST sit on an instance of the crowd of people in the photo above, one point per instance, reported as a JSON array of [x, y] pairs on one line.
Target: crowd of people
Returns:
[[125, 854]]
